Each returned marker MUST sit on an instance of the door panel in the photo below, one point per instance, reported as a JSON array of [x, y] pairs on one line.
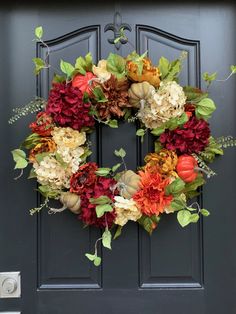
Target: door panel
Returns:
[[185, 271]]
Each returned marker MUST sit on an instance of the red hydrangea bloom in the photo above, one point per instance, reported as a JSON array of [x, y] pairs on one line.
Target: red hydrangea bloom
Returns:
[[43, 124], [66, 106], [84, 178], [193, 137], [103, 186]]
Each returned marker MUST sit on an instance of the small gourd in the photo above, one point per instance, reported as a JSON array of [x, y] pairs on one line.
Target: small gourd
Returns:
[[71, 201], [128, 184], [84, 82], [187, 168], [140, 91]]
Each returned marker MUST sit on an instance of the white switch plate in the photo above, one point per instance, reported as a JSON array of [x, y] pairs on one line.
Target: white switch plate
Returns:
[[15, 275]]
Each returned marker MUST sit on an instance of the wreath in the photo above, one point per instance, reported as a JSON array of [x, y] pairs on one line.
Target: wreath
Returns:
[[130, 89]]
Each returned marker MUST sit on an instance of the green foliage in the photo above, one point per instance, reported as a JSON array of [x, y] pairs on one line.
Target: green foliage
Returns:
[[101, 200], [59, 78], [122, 36], [149, 223], [190, 188], [99, 96], [120, 153], [60, 160], [116, 65], [38, 32], [39, 65], [33, 106], [211, 150], [178, 203], [185, 217], [205, 108], [102, 209], [47, 192], [41, 156], [83, 65], [31, 141], [32, 174], [169, 70], [118, 232], [204, 167], [67, 68], [226, 141], [116, 167], [209, 78], [103, 172], [140, 132], [176, 187], [113, 124], [94, 258], [204, 212], [157, 146], [106, 239], [19, 157], [233, 69], [194, 95], [171, 124]]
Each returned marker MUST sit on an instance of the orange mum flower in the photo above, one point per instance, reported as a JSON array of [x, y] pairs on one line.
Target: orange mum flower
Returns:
[[151, 198], [149, 73], [46, 145]]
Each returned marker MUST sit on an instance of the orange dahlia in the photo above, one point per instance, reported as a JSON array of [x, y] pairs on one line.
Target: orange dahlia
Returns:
[[151, 198], [46, 145]]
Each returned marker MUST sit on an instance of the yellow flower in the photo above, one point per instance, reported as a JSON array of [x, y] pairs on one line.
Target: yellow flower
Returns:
[[46, 145], [166, 161], [67, 137]]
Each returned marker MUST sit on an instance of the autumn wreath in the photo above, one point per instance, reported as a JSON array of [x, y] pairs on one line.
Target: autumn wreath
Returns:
[[134, 90]]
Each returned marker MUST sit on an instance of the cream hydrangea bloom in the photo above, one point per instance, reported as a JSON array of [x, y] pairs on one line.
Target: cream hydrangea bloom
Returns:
[[50, 172], [67, 137], [126, 209], [101, 71], [168, 102], [71, 156]]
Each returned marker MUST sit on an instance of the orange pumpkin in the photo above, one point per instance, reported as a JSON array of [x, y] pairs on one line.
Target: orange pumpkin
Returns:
[[85, 83], [187, 168]]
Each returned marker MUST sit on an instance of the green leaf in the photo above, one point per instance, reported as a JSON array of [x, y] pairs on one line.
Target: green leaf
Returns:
[[31, 141], [208, 78], [102, 172], [120, 153], [204, 212], [174, 70], [40, 157], [178, 203], [32, 174], [116, 65], [60, 160], [157, 146], [140, 132], [99, 96], [163, 67], [39, 65], [205, 108], [194, 218], [233, 69], [83, 65], [158, 131], [192, 186], [91, 257], [118, 232], [115, 167], [106, 239], [184, 217], [193, 94], [149, 223], [103, 199], [191, 209], [47, 192], [59, 78], [102, 209], [38, 32], [176, 187], [211, 150], [19, 157], [97, 261], [67, 68], [113, 124]]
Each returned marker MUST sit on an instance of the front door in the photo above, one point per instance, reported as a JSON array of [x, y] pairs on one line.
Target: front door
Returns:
[[176, 270]]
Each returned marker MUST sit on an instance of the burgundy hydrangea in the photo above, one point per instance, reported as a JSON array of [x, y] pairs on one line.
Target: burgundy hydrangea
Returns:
[[193, 137], [66, 106], [103, 186]]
